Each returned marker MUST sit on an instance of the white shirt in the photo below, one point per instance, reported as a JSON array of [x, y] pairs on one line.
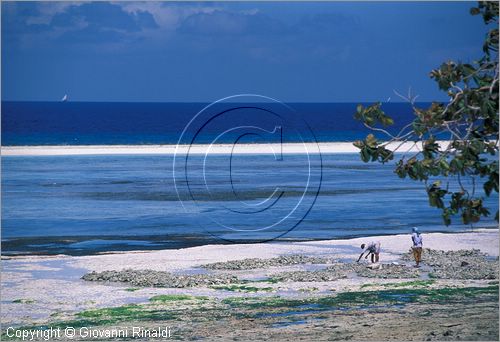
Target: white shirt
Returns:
[[417, 239]]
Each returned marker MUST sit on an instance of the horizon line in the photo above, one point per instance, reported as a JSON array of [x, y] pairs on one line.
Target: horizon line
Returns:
[[208, 102]]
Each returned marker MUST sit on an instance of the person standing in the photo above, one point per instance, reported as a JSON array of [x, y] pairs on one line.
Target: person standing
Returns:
[[416, 237]]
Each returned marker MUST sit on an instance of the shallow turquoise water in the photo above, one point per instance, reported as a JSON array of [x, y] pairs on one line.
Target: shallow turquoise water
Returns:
[[86, 204]]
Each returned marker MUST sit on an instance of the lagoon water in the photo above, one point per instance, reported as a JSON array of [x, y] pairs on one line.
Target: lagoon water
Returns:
[[88, 204]]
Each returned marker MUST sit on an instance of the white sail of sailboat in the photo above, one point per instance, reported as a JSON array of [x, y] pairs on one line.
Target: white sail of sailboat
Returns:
[[65, 98]]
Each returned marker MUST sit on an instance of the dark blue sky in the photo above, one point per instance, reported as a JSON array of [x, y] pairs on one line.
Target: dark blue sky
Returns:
[[192, 51]]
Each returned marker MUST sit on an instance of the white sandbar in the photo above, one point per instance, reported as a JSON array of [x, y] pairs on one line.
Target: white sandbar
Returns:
[[287, 148]]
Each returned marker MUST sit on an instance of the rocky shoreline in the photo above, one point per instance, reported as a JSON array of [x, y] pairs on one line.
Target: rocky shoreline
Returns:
[[304, 291], [462, 264]]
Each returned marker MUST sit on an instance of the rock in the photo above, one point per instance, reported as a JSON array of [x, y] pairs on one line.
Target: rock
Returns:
[[344, 270], [331, 273], [149, 278], [389, 271], [255, 263], [461, 264], [374, 266]]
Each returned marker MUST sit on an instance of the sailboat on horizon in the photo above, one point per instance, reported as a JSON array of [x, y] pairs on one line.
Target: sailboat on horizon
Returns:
[[65, 98]]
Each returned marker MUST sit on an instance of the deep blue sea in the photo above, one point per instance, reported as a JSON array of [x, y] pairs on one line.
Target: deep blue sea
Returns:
[[102, 123], [88, 204]]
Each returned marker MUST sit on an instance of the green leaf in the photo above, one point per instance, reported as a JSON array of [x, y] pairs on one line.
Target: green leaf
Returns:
[[365, 155]]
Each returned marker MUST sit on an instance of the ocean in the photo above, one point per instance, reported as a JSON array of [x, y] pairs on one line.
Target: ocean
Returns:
[[103, 123], [87, 204]]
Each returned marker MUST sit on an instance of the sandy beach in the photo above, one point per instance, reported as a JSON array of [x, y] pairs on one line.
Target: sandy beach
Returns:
[[287, 148], [222, 281]]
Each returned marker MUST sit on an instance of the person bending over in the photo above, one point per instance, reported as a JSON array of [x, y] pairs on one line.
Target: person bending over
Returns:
[[373, 249]]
